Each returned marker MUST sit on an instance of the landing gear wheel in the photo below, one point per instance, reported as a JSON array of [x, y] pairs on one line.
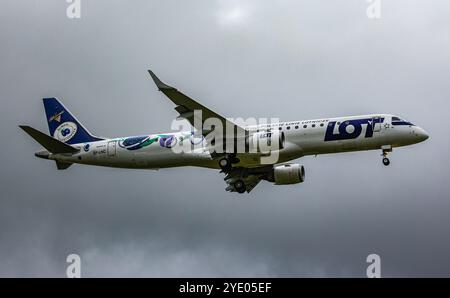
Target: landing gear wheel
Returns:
[[225, 164], [240, 187], [386, 161]]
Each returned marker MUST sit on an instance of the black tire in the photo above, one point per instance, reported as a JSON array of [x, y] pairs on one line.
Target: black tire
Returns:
[[240, 187], [225, 164], [386, 161]]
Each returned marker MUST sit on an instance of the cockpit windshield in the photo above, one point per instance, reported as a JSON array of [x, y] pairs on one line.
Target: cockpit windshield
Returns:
[[396, 121]]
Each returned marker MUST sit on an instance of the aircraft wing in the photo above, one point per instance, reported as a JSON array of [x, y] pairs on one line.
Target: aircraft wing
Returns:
[[251, 180], [186, 107]]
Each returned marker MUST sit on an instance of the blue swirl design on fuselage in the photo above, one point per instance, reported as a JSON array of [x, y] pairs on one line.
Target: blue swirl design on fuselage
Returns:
[[135, 143], [196, 139], [167, 141]]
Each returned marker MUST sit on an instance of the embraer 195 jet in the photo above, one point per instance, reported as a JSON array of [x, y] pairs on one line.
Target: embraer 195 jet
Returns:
[[70, 142]]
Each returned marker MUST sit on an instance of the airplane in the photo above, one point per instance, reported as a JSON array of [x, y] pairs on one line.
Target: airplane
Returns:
[[71, 143]]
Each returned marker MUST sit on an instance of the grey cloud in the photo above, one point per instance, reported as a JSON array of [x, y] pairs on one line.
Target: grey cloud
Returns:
[[290, 59]]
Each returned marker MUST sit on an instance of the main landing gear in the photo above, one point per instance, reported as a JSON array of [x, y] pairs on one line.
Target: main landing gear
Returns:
[[386, 150], [239, 185], [235, 176]]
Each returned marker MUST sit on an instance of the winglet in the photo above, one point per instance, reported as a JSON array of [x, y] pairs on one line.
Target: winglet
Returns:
[[161, 86]]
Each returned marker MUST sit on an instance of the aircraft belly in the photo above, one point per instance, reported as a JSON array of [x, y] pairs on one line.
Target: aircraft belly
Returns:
[[166, 158]]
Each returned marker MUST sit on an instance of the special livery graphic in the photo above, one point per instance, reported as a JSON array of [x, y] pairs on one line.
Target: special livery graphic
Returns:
[[65, 131], [70, 143], [139, 142], [135, 143], [56, 117], [164, 140], [167, 141]]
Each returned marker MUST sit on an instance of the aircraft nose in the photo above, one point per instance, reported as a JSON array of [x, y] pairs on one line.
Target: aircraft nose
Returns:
[[421, 134]]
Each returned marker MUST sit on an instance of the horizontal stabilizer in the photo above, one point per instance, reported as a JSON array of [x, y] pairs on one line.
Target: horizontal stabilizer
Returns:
[[49, 143]]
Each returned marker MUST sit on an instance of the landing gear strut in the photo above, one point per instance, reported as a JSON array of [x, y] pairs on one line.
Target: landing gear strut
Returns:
[[386, 150]]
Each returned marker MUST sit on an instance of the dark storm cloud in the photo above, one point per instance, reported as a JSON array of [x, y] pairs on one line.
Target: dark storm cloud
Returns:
[[292, 60]]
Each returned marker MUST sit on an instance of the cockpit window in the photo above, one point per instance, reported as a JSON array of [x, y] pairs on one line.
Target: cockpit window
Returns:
[[396, 121]]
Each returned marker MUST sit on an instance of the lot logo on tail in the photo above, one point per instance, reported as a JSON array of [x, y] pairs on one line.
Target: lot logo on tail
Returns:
[[65, 131]]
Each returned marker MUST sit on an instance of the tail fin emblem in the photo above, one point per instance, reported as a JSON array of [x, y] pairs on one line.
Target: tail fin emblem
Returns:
[[56, 117]]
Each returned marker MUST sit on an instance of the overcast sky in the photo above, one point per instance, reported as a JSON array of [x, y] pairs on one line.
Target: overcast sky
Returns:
[[287, 59]]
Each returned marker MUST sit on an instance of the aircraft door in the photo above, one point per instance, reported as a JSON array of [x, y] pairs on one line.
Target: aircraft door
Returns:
[[112, 148], [376, 124]]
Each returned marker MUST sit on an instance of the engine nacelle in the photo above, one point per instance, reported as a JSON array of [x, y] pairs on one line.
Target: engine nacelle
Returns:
[[265, 141], [288, 174]]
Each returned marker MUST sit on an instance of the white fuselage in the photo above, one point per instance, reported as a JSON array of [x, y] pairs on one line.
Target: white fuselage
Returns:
[[305, 137]]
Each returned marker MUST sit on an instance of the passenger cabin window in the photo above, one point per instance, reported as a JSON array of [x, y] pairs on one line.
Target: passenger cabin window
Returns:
[[288, 127], [313, 125], [296, 127], [305, 126]]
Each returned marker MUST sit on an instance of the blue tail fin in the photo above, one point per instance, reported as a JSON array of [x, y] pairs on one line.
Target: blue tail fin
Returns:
[[63, 126]]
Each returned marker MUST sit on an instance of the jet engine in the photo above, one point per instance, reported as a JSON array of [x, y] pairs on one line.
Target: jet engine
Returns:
[[287, 174]]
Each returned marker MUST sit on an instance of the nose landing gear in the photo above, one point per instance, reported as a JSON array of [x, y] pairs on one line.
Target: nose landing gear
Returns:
[[386, 150]]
